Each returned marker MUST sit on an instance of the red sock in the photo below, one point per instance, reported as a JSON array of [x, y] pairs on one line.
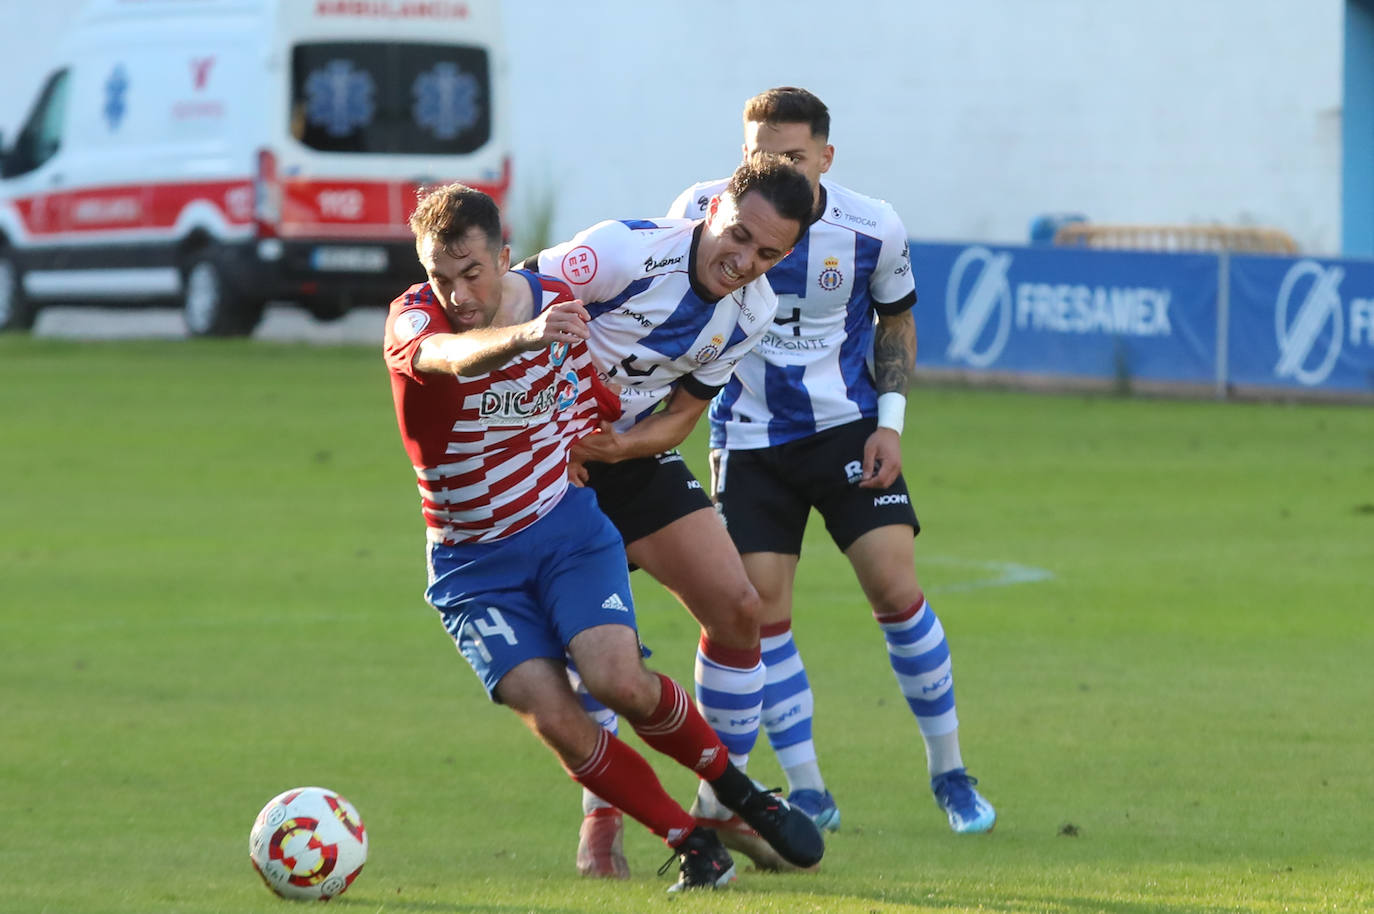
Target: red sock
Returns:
[[677, 729], [904, 615], [737, 658], [621, 777], [773, 629]]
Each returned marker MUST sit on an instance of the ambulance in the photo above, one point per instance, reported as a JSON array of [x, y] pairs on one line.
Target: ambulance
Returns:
[[219, 154]]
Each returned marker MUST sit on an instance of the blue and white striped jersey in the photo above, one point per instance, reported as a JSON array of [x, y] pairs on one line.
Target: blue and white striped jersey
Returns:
[[650, 326], [811, 371]]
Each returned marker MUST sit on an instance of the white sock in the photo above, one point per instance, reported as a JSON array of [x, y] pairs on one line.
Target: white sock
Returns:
[[804, 776], [942, 752]]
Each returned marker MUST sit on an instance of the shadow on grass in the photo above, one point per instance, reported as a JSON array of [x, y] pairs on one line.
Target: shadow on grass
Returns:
[[399, 904], [876, 903], [997, 899]]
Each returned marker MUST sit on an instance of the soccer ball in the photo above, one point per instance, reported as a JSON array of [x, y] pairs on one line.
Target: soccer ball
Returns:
[[308, 843]]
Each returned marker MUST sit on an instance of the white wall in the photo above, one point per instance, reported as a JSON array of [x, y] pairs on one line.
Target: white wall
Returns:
[[970, 117]]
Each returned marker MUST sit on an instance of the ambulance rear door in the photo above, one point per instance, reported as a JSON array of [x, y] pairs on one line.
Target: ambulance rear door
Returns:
[[382, 99]]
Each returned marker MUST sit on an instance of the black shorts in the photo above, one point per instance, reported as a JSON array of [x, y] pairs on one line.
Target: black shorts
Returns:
[[766, 494], [645, 494]]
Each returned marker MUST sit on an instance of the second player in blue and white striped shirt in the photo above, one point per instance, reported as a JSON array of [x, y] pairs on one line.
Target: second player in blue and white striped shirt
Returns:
[[811, 371], [655, 322]]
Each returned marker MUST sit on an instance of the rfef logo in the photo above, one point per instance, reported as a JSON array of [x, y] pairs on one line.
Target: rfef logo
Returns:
[[579, 265], [408, 324]]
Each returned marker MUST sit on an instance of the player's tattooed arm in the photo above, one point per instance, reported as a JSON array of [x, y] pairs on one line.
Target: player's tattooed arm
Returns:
[[894, 352]]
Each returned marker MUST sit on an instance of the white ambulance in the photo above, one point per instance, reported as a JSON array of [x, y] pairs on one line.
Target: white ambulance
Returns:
[[218, 154]]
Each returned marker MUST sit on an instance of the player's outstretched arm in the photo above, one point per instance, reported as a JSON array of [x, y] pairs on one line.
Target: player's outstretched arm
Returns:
[[484, 349], [659, 432]]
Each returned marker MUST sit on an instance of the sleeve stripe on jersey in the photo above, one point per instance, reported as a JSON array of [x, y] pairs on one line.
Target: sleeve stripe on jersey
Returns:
[[697, 389], [595, 309], [905, 303]]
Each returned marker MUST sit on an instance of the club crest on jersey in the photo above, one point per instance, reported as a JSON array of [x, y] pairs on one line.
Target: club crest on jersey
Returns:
[[831, 278], [712, 349], [408, 324], [558, 352], [567, 390]]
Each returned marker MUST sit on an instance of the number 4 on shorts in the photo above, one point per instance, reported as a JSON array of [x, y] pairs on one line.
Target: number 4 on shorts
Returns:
[[478, 629]]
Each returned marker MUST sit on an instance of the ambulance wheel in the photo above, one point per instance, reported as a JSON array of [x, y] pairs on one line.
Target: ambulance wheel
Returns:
[[322, 309], [209, 303], [17, 312]]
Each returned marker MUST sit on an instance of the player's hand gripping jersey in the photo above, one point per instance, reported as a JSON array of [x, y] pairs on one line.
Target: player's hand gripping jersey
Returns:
[[652, 325], [490, 451], [811, 370]]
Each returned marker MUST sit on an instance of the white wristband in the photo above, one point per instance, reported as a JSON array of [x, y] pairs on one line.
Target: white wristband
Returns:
[[891, 411]]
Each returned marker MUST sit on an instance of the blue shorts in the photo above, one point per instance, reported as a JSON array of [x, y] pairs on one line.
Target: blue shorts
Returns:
[[529, 594]]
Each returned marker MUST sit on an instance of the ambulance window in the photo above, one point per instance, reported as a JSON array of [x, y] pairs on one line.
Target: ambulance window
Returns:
[[41, 135], [416, 99]]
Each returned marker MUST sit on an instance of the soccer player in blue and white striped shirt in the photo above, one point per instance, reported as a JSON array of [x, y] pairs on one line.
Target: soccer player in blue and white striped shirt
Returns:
[[673, 305], [812, 418]]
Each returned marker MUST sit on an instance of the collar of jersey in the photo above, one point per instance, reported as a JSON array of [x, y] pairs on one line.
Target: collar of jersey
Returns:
[[697, 288]]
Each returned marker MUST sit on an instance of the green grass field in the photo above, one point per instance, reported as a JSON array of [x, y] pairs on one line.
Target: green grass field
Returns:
[[210, 591]]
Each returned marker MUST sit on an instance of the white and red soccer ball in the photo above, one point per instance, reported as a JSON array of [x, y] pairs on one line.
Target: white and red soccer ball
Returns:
[[308, 843]]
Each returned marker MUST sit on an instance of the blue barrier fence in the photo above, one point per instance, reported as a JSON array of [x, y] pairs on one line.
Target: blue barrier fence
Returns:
[[1229, 320]]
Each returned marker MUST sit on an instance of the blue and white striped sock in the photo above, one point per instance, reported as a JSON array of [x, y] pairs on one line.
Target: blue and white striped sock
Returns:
[[788, 708], [919, 655], [729, 684]]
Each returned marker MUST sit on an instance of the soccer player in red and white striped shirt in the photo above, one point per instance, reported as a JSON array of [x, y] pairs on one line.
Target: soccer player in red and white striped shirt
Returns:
[[492, 383]]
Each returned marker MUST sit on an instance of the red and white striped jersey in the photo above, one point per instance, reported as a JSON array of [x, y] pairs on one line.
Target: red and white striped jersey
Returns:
[[490, 451]]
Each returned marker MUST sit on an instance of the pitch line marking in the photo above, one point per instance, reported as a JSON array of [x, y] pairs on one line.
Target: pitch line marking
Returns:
[[996, 574]]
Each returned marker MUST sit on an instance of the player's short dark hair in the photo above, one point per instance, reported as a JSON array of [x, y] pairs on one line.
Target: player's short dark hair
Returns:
[[778, 181], [789, 105], [451, 211]]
